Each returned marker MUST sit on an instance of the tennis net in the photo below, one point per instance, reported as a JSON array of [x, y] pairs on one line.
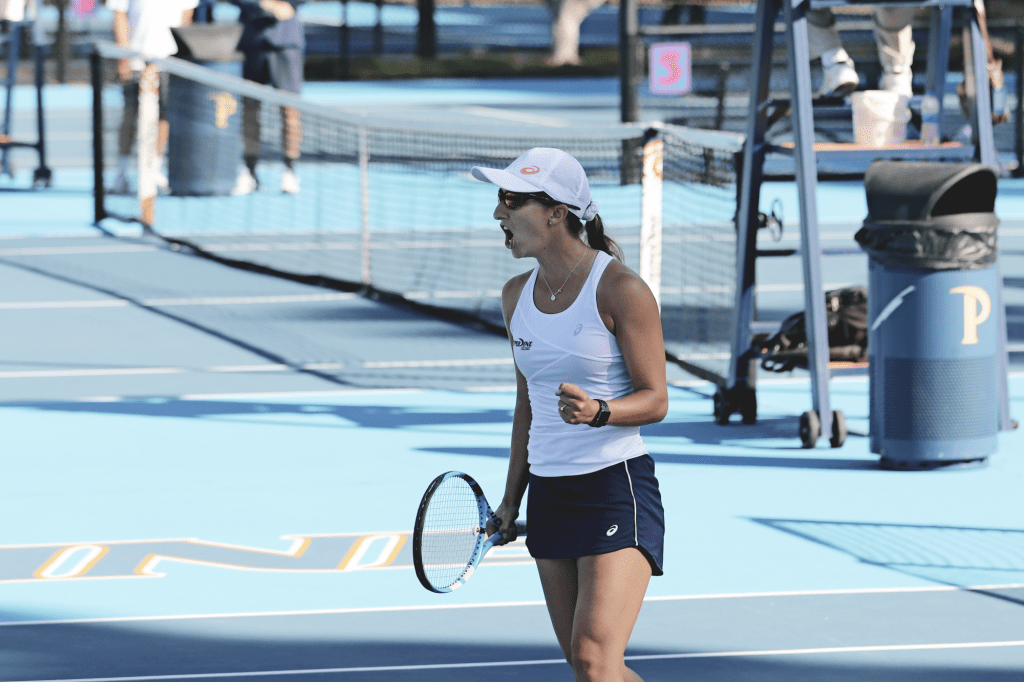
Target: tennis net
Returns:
[[389, 207]]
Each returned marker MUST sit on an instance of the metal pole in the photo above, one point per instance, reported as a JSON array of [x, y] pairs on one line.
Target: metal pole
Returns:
[[98, 192], [750, 177], [13, 52], [62, 41], [42, 174], [795, 13], [1018, 116], [344, 44], [628, 41], [364, 195], [426, 33], [378, 29]]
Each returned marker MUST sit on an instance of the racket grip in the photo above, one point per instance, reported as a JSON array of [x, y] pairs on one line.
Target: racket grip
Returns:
[[521, 528]]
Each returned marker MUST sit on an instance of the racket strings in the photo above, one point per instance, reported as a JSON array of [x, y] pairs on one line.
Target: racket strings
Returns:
[[451, 529]]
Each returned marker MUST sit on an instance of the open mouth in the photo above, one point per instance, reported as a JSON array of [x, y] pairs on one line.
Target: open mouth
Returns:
[[509, 237]]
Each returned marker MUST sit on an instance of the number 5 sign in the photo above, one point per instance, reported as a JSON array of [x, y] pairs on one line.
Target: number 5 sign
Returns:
[[670, 68]]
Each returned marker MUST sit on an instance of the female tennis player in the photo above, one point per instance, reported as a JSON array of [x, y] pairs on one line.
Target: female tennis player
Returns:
[[590, 369]]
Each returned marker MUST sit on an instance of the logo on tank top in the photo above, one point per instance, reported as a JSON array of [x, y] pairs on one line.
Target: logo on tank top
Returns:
[[578, 329], [611, 531], [521, 344]]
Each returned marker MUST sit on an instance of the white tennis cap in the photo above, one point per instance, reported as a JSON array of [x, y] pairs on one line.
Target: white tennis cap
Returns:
[[543, 169]]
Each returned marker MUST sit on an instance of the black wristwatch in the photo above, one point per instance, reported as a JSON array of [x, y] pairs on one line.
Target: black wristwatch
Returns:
[[602, 413]]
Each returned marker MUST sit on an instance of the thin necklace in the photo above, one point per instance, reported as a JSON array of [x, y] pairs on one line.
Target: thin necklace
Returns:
[[556, 293]]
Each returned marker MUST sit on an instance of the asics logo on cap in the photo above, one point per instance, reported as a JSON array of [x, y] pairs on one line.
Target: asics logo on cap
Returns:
[[529, 170]]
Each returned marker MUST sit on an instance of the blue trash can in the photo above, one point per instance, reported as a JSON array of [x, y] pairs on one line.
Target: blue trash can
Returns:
[[933, 293], [204, 146]]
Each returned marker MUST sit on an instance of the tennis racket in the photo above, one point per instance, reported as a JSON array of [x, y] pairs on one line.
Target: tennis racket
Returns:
[[450, 536]]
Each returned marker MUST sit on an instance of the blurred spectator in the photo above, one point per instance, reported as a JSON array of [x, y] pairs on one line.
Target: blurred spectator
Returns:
[[273, 44], [567, 16], [893, 36], [144, 26], [204, 11]]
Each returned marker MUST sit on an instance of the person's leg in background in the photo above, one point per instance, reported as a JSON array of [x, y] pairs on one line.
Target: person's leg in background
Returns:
[[163, 131], [894, 37], [839, 75], [126, 133], [285, 70], [251, 131], [291, 144]]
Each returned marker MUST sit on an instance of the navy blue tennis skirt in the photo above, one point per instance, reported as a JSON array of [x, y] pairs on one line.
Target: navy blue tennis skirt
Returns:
[[597, 513]]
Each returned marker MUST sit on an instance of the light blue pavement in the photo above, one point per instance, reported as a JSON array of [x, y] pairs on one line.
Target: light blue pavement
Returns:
[[126, 513], [256, 471]]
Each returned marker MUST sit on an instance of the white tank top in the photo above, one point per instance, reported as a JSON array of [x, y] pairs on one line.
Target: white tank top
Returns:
[[572, 346]]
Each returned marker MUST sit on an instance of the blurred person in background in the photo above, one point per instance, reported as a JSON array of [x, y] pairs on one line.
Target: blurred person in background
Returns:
[[274, 44], [144, 26], [893, 37], [567, 17]]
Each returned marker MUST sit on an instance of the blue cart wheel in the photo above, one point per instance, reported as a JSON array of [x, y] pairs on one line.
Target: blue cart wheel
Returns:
[[838, 429], [810, 428]]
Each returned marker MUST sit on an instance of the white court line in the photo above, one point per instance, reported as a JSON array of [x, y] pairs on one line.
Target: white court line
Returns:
[[401, 364], [552, 661], [162, 302], [76, 250], [66, 373], [226, 369], [520, 117], [495, 605]]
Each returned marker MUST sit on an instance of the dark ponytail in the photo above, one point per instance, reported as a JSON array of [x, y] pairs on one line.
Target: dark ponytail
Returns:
[[596, 237]]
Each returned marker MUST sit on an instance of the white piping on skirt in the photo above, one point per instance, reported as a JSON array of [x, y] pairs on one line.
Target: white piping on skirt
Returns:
[[636, 536]]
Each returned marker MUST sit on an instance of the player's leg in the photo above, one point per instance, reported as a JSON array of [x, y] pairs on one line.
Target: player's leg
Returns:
[[126, 133], [163, 130], [291, 142], [251, 132], [611, 590], [285, 69], [558, 578]]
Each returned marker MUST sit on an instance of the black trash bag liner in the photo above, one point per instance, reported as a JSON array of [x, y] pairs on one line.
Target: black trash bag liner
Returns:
[[847, 319], [965, 241]]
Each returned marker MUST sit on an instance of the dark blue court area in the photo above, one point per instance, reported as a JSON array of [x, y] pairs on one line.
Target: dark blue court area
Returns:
[[210, 473]]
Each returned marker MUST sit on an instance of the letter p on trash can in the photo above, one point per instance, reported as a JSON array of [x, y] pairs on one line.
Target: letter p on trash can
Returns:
[[204, 147], [933, 292]]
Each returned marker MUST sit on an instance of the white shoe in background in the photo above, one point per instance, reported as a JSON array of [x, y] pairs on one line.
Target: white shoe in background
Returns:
[[839, 76], [289, 182], [902, 83], [245, 184], [162, 185]]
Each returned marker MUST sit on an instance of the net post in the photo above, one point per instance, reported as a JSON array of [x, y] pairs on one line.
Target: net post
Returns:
[[98, 190], [651, 215], [364, 202]]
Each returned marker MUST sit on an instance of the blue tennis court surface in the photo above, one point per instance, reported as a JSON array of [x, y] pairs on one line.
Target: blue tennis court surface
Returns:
[[212, 474]]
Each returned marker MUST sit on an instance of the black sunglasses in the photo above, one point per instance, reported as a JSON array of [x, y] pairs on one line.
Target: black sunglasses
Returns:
[[516, 200]]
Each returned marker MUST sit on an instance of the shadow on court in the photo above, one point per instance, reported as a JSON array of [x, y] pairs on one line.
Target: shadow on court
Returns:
[[369, 416], [706, 460], [389, 417], [323, 648], [947, 555]]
